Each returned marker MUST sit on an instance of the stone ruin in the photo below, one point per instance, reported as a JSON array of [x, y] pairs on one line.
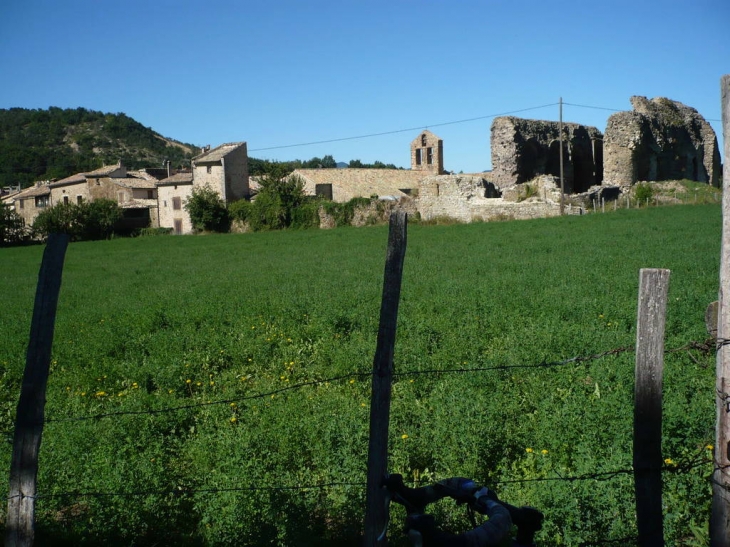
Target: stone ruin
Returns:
[[660, 139], [524, 149]]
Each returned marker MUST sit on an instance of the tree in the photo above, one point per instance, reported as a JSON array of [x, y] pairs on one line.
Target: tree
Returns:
[[280, 195], [12, 226], [87, 220], [97, 218], [207, 210]]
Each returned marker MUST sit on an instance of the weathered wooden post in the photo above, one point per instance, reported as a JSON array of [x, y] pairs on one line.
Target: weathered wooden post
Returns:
[[376, 512], [20, 521], [653, 286], [720, 515]]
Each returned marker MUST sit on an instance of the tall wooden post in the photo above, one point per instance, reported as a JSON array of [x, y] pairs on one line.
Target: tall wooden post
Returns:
[[376, 513], [560, 141], [653, 287], [20, 522], [720, 515]]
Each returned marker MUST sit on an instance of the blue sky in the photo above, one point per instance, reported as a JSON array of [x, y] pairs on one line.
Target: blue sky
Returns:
[[284, 72]]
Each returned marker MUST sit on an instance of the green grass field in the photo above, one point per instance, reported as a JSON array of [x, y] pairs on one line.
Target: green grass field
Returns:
[[214, 325]]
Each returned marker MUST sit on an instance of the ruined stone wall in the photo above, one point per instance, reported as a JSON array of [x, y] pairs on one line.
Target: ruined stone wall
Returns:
[[660, 139], [468, 198], [524, 149]]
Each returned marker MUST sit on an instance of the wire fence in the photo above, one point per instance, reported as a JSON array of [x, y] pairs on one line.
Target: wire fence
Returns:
[[697, 461]]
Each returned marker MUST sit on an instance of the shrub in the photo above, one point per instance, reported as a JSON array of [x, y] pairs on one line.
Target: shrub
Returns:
[[280, 196], [12, 226], [207, 211], [87, 220], [643, 192], [240, 210]]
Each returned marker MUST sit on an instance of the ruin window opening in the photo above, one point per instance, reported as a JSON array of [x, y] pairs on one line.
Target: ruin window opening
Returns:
[[418, 156], [423, 140], [429, 156]]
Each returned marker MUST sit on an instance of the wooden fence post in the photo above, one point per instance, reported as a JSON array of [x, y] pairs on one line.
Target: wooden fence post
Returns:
[[720, 515], [20, 521], [376, 512], [653, 286]]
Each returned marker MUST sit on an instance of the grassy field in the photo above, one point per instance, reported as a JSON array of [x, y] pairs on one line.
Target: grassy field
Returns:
[[215, 326]]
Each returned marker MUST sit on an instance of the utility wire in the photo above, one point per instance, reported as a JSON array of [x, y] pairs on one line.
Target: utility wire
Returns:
[[402, 130]]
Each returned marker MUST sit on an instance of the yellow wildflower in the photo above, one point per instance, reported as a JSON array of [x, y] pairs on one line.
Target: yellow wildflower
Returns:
[[404, 436], [233, 419], [543, 452], [529, 450]]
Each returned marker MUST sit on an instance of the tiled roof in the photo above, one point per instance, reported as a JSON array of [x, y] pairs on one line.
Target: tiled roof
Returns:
[[73, 179], [139, 204], [178, 178], [217, 153], [42, 190], [133, 183], [103, 171]]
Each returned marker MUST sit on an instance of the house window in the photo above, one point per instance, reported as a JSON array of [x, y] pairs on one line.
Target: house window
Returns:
[[208, 169], [79, 199], [418, 156], [21, 202], [176, 204], [65, 200], [429, 156], [41, 201]]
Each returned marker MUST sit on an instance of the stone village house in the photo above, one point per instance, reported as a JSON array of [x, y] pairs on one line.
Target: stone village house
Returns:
[[145, 200]]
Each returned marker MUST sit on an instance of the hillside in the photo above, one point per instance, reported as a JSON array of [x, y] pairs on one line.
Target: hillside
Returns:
[[56, 143]]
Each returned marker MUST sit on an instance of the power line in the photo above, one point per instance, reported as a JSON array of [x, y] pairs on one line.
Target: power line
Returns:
[[401, 130]]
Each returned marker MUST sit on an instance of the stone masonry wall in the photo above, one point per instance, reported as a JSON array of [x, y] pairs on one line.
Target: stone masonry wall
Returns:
[[524, 149], [467, 198], [660, 139]]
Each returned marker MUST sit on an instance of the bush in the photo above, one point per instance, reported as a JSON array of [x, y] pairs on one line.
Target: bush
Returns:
[[207, 211], [88, 220], [240, 210], [343, 213], [643, 192], [12, 226], [280, 196]]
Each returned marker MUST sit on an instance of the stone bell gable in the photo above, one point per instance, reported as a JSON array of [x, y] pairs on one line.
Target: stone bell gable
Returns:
[[427, 153], [660, 139]]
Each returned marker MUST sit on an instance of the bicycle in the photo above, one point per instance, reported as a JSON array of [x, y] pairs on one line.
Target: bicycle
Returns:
[[422, 530]]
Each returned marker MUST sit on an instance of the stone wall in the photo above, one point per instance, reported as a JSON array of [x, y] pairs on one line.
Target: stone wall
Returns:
[[469, 198], [524, 149], [660, 139], [427, 153]]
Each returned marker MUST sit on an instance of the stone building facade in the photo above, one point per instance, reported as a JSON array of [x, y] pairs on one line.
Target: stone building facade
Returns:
[[172, 193], [427, 153], [660, 139], [524, 149], [224, 169]]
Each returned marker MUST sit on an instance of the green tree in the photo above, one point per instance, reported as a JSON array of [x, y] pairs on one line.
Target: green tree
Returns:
[[97, 218], [87, 220], [207, 211], [280, 195], [12, 226]]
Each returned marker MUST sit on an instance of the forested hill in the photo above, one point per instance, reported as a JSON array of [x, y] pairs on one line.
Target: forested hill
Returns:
[[56, 143]]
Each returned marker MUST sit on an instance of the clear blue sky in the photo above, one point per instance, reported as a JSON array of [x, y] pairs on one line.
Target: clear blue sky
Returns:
[[283, 72]]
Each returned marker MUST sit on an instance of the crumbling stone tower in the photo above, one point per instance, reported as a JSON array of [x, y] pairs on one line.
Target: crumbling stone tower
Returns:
[[660, 139], [427, 153], [523, 149]]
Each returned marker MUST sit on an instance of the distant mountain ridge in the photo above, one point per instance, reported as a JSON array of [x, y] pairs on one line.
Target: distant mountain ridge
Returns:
[[56, 143]]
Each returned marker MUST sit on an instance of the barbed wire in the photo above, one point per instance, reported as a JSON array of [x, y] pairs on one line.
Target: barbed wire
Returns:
[[184, 490], [704, 346]]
